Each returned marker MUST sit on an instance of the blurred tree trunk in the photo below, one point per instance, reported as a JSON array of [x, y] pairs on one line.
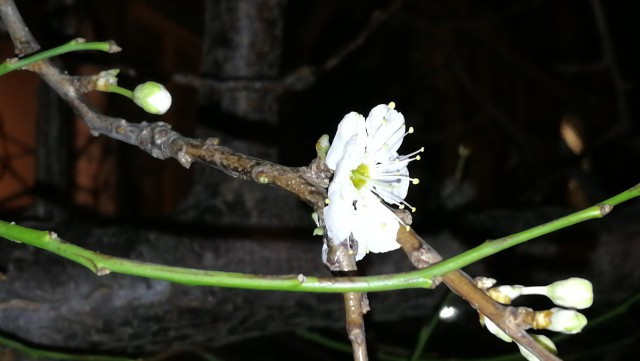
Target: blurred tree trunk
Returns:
[[53, 173], [242, 41]]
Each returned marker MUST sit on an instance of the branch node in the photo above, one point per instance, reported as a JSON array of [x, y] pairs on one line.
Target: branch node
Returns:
[[102, 271], [263, 178], [605, 209], [184, 159], [155, 138], [113, 47], [211, 142]]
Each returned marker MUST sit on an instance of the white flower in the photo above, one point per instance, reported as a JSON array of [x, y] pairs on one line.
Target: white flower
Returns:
[[367, 168], [152, 97]]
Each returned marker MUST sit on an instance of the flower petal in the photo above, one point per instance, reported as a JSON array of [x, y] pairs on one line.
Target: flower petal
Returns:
[[385, 131], [375, 227], [352, 125], [338, 218]]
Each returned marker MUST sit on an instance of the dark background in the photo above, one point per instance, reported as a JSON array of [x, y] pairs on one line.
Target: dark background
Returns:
[[500, 78]]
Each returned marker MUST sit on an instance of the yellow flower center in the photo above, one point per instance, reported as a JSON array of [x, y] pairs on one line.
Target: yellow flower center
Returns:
[[360, 175]]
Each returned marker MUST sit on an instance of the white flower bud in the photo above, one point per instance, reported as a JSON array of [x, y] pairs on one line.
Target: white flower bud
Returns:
[[494, 329], [566, 321], [573, 292], [152, 97], [544, 341]]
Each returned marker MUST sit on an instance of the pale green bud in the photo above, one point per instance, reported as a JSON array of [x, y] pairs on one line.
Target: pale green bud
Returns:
[[152, 97], [573, 292], [566, 321], [322, 146]]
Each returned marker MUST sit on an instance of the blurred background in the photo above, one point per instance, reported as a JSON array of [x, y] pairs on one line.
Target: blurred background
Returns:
[[527, 111]]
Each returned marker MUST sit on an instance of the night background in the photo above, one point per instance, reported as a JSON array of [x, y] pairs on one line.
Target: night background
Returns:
[[527, 111]]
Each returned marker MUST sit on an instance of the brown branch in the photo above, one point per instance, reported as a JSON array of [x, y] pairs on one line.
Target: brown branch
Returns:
[[23, 41], [341, 261], [356, 305], [308, 183], [506, 318]]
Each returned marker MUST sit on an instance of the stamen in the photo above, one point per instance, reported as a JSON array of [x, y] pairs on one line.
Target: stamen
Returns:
[[409, 157], [383, 188], [392, 105]]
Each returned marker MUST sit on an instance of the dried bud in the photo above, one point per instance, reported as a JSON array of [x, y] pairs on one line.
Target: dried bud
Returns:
[[505, 294], [107, 79]]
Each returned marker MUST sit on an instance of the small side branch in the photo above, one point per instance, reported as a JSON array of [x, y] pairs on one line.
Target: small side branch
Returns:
[[356, 305], [23, 41]]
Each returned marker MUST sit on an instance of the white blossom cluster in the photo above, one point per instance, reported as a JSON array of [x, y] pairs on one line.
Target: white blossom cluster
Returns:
[[572, 293]]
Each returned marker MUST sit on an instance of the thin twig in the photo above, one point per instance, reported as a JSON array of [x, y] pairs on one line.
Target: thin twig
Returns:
[[610, 61], [341, 260], [355, 304], [301, 78], [23, 41]]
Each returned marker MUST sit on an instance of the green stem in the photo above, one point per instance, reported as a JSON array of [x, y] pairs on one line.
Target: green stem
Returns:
[[119, 90], [103, 264], [44, 354], [74, 45], [494, 246]]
